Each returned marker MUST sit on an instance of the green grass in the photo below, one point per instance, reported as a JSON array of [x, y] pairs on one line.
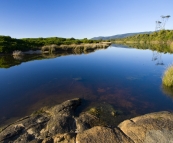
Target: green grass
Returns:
[[167, 78], [155, 37]]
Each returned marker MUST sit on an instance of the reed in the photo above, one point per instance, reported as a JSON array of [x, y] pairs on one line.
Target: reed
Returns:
[[75, 47], [50, 48]]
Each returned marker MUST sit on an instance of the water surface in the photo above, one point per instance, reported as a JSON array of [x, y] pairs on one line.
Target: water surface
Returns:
[[127, 78]]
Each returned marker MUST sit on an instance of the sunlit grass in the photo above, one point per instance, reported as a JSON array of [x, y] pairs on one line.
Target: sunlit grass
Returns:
[[17, 53], [171, 46], [167, 78], [75, 47]]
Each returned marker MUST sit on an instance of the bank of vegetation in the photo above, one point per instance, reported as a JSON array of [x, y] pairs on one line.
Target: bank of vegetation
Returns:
[[158, 37], [8, 44], [163, 48], [161, 41]]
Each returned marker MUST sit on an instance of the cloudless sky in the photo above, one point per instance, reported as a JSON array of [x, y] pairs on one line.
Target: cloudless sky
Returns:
[[81, 18]]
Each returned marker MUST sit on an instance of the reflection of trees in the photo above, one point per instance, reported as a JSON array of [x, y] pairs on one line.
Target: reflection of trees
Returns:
[[158, 50], [157, 56], [168, 91], [119, 45], [162, 48], [9, 61]]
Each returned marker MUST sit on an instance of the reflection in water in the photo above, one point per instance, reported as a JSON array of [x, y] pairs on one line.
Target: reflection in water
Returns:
[[168, 91], [157, 56], [18, 57], [7, 61], [157, 50], [130, 84], [119, 45], [162, 48]]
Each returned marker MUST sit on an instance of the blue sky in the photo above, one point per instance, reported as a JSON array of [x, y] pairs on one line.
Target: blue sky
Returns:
[[80, 18]]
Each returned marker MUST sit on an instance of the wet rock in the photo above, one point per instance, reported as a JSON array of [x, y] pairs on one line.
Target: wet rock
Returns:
[[86, 121], [60, 124], [105, 113], [150, 128]]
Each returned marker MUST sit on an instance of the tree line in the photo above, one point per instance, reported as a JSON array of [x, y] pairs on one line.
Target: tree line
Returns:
[[8, 44], [162, 35]]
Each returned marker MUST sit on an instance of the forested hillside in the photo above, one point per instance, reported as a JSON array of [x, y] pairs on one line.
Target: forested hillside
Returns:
[[163, 35]]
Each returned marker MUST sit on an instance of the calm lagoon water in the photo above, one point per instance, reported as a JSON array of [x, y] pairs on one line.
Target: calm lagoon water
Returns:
[[129, 79]]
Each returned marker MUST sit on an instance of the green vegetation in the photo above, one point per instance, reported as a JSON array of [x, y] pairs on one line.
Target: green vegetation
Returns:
[[160, 36], [8, 44], [161, 41], [168, 77]]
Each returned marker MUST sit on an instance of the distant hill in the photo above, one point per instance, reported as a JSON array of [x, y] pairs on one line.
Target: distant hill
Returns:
[[119, 36]]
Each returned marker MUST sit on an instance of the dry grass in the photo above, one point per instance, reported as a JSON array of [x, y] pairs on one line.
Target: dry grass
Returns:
[[75, 47], [49, 48], [17, 53], [167, 78]]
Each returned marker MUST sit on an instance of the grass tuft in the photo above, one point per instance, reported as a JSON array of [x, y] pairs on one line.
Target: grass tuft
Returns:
[[171, 46], [167, 78], [17, 53]]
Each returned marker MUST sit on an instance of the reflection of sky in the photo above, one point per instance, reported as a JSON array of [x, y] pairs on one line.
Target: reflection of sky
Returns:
[[115, 73], [113, 61]]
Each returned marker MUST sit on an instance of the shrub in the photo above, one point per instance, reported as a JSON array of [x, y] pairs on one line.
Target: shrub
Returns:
[[167, 78], [17, 53]]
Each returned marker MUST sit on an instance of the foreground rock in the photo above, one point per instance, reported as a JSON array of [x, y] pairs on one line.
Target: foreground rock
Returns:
[[59, 124], [150, 128], [102, 135], [43, 124]]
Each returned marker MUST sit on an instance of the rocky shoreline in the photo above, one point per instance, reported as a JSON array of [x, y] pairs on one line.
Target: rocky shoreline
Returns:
[[61, 124]]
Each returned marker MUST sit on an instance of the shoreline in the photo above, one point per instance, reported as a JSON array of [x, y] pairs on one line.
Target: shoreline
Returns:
[[60, 124], [63, 47]]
